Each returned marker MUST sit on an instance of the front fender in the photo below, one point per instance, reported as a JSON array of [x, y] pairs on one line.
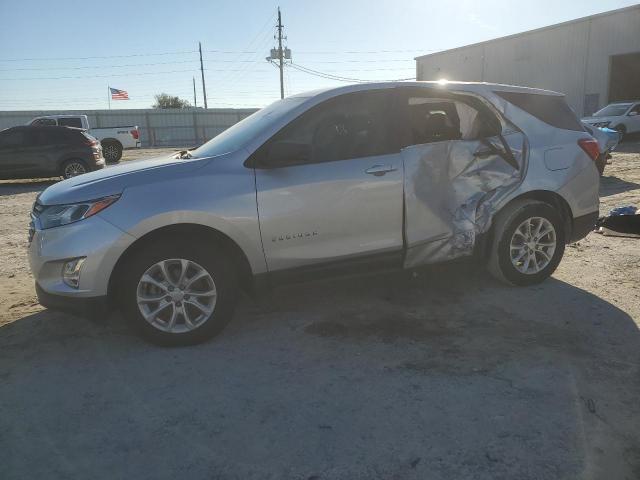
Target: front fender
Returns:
[[223, 200]]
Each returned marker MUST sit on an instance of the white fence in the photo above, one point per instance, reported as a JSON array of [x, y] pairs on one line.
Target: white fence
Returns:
[[180, 128]]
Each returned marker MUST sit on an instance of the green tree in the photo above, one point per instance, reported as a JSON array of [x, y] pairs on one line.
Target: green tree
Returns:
[[164, 100]]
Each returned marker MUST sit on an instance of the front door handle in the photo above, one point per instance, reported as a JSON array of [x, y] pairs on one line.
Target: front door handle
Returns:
[[379, 170]]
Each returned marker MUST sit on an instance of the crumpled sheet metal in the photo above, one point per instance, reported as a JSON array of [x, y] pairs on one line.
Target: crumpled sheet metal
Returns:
[[451, 196]]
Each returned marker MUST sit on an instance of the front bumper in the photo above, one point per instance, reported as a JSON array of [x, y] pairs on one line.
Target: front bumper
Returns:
[[94, 238], [90, 307]]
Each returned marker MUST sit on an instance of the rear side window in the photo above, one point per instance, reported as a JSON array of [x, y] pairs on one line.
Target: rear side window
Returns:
[[70, 122], [51, 136], [551, 109], [429, 118], [73, 137]]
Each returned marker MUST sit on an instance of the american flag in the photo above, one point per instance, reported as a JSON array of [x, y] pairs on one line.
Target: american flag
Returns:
[[118, 94]]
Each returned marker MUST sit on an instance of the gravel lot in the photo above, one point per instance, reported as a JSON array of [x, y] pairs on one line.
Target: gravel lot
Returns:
[[443, 375]]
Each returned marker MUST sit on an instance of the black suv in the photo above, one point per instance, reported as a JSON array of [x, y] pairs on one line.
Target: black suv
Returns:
[[28, 152]]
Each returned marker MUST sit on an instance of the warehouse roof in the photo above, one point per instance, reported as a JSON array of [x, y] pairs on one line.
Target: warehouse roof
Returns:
[[549, 27]]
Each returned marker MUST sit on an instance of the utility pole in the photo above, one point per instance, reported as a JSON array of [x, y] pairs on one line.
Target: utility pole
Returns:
[[280, 54], [195, 103], [204, 88]]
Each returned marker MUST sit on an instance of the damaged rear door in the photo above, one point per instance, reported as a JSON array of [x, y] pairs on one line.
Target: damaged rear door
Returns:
[[460, 158]]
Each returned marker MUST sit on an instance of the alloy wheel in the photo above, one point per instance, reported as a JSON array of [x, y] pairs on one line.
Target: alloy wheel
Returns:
[[74, 169], [176, 295], [110, 152], [532, 245]]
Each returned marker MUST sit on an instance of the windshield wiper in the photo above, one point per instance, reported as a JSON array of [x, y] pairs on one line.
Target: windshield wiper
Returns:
[[184, 154]]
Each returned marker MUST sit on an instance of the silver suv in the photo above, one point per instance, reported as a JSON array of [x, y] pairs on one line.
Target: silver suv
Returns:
[[364, 176]]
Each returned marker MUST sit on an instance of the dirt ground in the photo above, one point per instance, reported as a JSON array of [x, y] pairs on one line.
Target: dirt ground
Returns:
[[443, 375]]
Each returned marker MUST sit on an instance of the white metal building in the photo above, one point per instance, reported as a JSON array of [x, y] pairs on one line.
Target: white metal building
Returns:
[[592, 60]]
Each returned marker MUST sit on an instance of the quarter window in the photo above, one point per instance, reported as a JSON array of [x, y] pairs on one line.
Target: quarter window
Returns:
[[551, 109]]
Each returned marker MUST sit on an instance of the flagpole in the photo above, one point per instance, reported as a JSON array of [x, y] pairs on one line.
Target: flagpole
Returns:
[[109, 96]]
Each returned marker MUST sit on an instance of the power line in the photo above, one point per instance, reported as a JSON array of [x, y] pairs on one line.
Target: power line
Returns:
[[107, 66], [97, 56], [339, 77], [258, 40], [116, 74], [360, 52], [223, 52]]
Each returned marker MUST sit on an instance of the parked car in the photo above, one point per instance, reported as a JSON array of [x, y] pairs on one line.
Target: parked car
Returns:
[[113, 139], [386, 175], [31, 152], [607, 139], [623, 117]]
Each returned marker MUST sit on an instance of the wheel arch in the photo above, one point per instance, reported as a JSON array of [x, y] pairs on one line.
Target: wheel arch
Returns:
[[111, 140], [70, 158], [546, 196], [190, 230]]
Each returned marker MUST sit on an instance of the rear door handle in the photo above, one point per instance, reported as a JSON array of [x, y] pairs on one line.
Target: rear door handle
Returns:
[[379, 170]]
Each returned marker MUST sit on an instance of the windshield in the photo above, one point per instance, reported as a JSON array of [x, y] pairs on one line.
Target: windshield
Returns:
[[614, 110], [243, 132]]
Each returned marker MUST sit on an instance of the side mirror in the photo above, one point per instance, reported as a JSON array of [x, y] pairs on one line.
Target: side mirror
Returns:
[[633, 114], [284, 154]]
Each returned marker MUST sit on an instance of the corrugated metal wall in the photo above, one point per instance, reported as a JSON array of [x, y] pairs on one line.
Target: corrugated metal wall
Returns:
[[181, 128], [572, 58]]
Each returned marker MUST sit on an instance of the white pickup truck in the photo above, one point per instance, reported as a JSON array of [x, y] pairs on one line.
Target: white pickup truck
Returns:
[[113, 139]]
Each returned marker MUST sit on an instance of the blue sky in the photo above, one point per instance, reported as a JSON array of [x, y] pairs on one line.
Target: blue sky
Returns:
[[64, 54]]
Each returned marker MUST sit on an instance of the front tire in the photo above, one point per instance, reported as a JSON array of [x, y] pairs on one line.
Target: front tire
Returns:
[[528, 243], [177, 293]]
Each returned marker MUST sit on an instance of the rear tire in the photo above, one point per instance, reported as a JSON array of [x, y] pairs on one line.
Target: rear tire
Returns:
[[190, 314], [518, 259], [111, 151], [73, 168]]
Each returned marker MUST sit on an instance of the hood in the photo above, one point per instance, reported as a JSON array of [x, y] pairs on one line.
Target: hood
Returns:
[[113, 180]]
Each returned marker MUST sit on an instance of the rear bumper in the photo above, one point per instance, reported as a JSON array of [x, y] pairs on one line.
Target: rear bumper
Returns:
[[98, 164], [90, 307], [583, 225]]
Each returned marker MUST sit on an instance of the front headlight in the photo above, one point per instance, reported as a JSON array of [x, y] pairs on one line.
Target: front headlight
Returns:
[[58, 215]]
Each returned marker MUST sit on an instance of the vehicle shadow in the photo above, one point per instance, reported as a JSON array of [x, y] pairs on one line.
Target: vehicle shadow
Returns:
[[13, 187], [630, 144], [614, 185], [442, 374]]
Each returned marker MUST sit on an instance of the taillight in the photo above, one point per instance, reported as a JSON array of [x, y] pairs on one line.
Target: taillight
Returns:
[[590, 146], [91, 143], [135, 134]]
